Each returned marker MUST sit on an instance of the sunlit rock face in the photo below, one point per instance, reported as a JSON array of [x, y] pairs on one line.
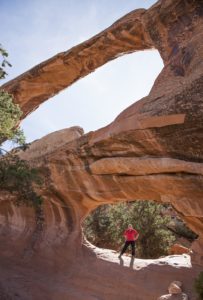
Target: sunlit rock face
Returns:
[[153, 150]]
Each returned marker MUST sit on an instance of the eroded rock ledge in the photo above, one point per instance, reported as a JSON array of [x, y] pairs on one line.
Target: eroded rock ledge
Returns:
[[144, 166]]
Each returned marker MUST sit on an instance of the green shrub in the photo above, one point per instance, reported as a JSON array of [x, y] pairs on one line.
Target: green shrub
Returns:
[[9, 115], [199, 286], [105, 227], [10, 112], [182, 230], [4, 62], [16, 176]]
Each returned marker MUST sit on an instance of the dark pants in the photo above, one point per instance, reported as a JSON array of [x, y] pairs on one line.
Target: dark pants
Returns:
[[125, 247]]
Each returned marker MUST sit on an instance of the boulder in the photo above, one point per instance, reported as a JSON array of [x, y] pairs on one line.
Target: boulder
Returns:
[[175, 287], [179, 249], [181, 296]]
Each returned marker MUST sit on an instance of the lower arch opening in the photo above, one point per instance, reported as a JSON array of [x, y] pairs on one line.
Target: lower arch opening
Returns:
[[161, 230]]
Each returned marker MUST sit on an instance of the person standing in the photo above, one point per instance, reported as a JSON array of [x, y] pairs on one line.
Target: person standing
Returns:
[[131, 235]]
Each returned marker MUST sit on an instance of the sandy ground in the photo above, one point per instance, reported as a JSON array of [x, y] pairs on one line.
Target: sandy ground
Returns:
[[96, 275], [176, 261]]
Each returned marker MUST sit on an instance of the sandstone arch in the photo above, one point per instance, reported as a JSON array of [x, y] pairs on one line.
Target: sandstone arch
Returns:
[[162, 132]]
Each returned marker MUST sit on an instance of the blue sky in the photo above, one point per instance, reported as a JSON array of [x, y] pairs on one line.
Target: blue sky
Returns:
[[34, 30]]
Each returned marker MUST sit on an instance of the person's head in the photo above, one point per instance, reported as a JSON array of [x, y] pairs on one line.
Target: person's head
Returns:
[[130, 226]]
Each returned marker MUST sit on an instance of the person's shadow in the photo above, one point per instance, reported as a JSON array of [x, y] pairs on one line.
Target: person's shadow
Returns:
[[132, 262], [121, 261]]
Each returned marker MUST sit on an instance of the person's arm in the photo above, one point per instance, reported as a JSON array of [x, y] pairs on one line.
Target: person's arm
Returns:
[[137, 236], [125, 235]]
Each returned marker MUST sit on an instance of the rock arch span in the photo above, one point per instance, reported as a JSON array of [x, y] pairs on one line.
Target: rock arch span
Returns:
[[152, 150]]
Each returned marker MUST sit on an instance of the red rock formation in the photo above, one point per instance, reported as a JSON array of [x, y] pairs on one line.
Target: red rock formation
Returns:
[[153, 150], [179, 249]]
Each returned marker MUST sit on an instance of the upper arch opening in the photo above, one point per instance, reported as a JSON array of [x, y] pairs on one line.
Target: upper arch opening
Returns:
[[97, 99]]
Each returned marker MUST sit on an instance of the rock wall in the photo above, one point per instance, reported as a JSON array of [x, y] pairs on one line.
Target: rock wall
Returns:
[[152, 150]]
